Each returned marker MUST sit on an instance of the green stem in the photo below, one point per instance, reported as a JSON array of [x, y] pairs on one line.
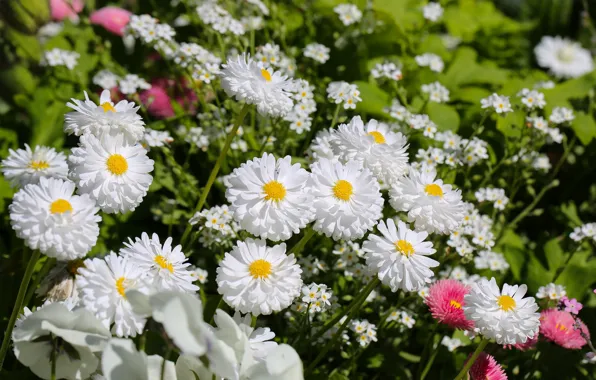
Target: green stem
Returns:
[[429, 364], [18, 305], [335, 115], [352, 312], [40, 275], [472, 359], [308, 233], [427, 346], [215, 170]]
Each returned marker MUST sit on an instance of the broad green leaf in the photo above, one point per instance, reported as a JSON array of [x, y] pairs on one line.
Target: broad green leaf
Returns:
[[570, 211], [444, 116], [470, 94], [512, 247], [374, 100], [409, 357], [584, 127], [554, 254], [579, 274], [511, 124], [464, 69]]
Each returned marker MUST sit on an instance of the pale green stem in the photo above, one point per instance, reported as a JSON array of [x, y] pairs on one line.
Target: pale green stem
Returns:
[[472, 359]]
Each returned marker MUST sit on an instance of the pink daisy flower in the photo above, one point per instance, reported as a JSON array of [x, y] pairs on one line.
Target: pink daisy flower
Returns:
[[486, 368], [560, 327], [446, 300]]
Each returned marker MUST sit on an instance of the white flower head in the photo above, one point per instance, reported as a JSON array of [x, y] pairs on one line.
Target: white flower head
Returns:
[[434, 206], [269, 198], [318, 52], [500, 103], [348, 13], [563, 57], [113, 172], [433, 61], [504, 315], [50, 218], [347, 199], [432, 11], [374, 146], [399, 256], [105, 118], [257, 279], [269, 90], [78, 335], [551, 291], [25, 166], [164, 266], [436, 92]]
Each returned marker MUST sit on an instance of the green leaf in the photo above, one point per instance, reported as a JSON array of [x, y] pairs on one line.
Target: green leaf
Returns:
[[555, 256], [511, 124], [570, 211], [409, 357], [444, 116], [584, 127], [512, 247], [465, 70], [470, 94], [579, 274], [406, 14], [374, 100]]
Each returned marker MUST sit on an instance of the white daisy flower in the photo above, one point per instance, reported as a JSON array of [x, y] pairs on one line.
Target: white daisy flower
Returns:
[[347, 199], [374, 146], [269, 90], [432, 11], [506, 315], [434, 206], [398, 256], [25, 166], [318, 52], [268, 197], [164, 266], [113, 172], [436, 92], [50, 218], [551, 291], [106, 117], [103, 284], [563, 57], [348, 13], [257, 279]]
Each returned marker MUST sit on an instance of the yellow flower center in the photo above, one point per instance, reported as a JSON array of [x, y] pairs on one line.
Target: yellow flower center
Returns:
[[434, 190], [265, 74], [404, 247], [107, 107], [260, 268], [343, 190], [120, 286], [117, 164], [455, 304], [274, 191], [561, 327], [506, 303], [378, 136], [164, 263], [39, 165], [60, 206]]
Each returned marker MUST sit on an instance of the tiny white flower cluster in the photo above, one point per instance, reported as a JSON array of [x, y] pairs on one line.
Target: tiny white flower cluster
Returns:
[[532, 98], [433, 61], [475, 226], [451, 343], [190, 54], [541, 125], [348, 13], [60, 57], [129, 84], [270, 55], [491, 260], [312, 266], [350, 254], [316, 298], [397, 111], [252, 23], [344, 92], [402, 317], [586, 231], [495, 195], [153, 138], [387, 70], [424, 123], [561, 115], [304, 106], [500, 103], [219, 19], [460, 274], [436, 92], [456, 151], [318, 52], [217, 226], [432, 11], [149, 30], [535, 160], [366, 332], [551, 291]]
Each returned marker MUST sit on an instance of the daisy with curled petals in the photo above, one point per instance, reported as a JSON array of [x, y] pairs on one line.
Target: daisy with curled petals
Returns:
[[165, 267], [247, 81], [347, 199], [399, 256], [434, 206], [107, 117], [25, 166], [269, 198], [103, 284], [112, 171], [564, 58], [374, 146], [506, 315], [486, 368], [257, 279], [50, 218]]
